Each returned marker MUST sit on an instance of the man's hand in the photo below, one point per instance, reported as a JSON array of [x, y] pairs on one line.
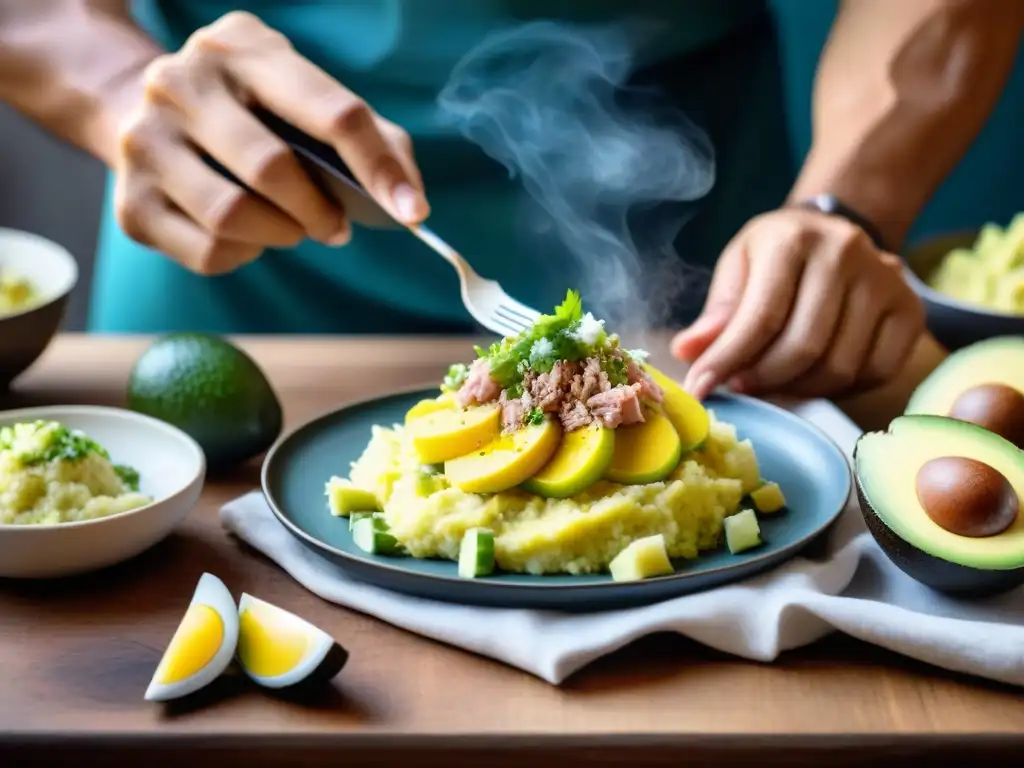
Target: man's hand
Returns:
[[801, 303], [197, 99]]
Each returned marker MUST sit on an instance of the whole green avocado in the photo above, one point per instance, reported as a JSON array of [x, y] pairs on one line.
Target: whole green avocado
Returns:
[[210, 389]]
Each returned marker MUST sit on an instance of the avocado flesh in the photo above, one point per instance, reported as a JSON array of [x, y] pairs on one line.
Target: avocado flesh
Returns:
[[887, 464], [999, 360]]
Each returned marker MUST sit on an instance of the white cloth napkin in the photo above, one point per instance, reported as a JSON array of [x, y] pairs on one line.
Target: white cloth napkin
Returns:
[[853, 589]]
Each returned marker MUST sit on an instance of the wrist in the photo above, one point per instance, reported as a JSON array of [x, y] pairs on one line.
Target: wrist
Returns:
[[113, 102], [101, 78], [880, 200]]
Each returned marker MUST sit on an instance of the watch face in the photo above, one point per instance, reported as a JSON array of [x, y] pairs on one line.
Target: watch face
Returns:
[[830, 204], [827, 203]]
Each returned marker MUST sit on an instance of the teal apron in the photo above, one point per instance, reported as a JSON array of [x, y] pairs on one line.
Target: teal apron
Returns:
[[718, 60]]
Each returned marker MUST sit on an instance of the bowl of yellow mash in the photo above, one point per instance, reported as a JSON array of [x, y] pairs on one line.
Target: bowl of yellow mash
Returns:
[[971, 282], [36, 279], [85, 487]]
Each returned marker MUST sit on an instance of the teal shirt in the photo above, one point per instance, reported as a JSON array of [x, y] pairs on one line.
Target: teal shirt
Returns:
[[716, 59]]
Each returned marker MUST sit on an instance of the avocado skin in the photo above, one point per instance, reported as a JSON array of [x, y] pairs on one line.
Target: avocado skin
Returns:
[[941, 575], [211, 390]]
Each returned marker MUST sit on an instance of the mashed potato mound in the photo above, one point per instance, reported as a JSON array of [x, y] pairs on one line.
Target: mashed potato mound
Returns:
[[50, 474], [579, 535]]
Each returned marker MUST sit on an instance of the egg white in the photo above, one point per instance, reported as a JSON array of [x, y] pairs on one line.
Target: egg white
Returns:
[[318, 644], [212, 593]]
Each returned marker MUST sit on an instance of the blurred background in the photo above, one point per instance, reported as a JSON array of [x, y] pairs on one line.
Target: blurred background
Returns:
[[51, 189]]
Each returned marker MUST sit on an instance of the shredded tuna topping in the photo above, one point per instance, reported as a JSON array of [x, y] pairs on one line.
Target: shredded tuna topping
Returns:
[[567, 366], [578, 393]]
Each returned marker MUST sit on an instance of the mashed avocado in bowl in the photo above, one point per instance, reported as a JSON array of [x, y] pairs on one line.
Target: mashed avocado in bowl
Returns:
[[37, 277], [556, 451], [987, 273], [17, 292], [52, 474]]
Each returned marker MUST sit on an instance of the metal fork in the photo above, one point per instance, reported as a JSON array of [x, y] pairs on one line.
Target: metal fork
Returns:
[[484, 299]]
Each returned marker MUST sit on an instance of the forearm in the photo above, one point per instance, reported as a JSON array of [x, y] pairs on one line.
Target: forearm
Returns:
[[902, 90], [72, 65]]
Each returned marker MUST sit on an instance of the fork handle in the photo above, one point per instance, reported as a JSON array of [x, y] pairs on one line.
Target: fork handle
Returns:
[[325, 165], [443, 250]]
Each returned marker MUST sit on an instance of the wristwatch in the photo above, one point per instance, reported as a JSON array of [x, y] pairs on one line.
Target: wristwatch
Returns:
[[832, 205]]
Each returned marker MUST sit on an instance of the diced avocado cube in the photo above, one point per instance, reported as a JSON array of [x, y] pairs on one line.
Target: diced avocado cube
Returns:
[[343, 498], [768, 498], [476, 553], [426, 483], [742, 531], [641, 559], [371, 535]]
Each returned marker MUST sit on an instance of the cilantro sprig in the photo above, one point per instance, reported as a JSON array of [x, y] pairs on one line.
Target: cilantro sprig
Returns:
[[534, 416], [456, 377], [568, 334]]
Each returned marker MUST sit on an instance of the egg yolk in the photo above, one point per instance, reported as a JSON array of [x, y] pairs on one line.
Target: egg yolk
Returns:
[[269, 646], [195, 643]]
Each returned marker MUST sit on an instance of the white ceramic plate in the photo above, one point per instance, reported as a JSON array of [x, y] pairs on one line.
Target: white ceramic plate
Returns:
[[172, 469]]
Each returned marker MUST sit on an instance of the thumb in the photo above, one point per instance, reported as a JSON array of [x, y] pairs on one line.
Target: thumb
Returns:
[[723, 297]]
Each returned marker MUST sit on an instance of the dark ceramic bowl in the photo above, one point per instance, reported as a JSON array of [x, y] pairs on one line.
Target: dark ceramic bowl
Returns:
[[954, 323], [25, 335]]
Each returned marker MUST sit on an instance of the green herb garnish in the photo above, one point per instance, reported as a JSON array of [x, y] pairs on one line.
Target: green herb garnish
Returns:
[[51, 441], [129, 476], [534, 416], [616, 368], [457, 375], [552, 338]]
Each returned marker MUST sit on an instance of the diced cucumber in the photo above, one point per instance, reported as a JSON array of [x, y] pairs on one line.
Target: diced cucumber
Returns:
[[371, 535], [355, 517], [427, 483], [641, 559], [476, 553], [742, 531], [768, 498], [343, 498]]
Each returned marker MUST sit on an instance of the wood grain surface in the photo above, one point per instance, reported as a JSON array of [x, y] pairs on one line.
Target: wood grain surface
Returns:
[[76, 655]]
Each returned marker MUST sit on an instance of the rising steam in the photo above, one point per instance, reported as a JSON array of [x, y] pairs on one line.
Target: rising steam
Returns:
[[551, 103]]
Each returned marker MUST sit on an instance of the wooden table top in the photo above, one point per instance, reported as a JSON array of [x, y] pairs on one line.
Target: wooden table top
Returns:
[[75, 656]]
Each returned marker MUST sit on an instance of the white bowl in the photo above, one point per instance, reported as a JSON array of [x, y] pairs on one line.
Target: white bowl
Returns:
[[25, 335], [172, 469]]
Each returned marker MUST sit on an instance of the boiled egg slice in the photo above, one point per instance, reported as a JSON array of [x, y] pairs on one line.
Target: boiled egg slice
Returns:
[[277, 649], [202, 646]]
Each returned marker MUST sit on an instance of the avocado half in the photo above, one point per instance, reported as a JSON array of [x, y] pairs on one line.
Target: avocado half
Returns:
[[996, 361], [886, 466]]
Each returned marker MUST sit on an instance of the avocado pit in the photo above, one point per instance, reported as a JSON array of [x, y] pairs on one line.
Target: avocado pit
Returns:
[[995, 407], [966, 497]]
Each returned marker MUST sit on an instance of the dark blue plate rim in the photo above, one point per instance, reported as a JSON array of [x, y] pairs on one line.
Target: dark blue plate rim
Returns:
[[781, 555]]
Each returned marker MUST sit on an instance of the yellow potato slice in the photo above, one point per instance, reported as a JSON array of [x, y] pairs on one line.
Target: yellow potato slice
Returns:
[[448, 434], [506, 462], [686, 413], [445, 402]]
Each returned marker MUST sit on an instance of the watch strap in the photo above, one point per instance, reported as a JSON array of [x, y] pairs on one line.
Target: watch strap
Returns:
[[832, 205]]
